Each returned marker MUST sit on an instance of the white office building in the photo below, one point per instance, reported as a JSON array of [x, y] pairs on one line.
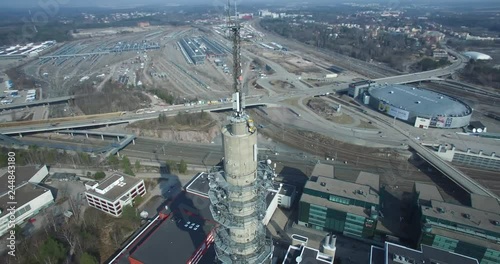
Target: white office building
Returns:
[[27, 201], [114, 192]]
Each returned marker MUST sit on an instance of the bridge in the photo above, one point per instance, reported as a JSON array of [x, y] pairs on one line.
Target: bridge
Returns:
[[122, 141], [451, 172], [38, 102], [114, 148], [34, 129]]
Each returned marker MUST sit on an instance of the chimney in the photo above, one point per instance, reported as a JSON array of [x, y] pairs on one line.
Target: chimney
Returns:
[[468, 150], [480, 152], [333, 241], [327, 240], [493, 154], [440, 148]]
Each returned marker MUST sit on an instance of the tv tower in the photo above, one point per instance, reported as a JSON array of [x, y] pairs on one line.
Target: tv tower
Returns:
[[238, 189]]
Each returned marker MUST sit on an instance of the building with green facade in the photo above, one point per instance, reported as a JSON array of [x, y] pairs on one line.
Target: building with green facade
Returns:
[[473, 231], [333, 205]]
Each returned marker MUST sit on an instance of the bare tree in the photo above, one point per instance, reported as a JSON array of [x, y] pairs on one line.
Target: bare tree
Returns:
[[67, 232]]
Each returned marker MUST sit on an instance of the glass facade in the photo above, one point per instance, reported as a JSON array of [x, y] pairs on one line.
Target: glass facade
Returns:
[[327, 219], [339, 199], [481, 253], [354, 225]]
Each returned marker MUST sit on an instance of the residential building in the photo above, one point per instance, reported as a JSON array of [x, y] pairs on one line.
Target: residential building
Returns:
[[333, 205], [472, 231], [28, 198], [114, 192], [394, 253]]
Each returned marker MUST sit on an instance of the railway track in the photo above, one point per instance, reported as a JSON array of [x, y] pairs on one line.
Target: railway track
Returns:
[[367, 69], [470, 90], [335, 149]]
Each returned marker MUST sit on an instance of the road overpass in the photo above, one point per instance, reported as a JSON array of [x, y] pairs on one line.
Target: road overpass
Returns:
[[447, 169], [426, 75], [42, 128], [453, 174], [38, 102], [122, 140]]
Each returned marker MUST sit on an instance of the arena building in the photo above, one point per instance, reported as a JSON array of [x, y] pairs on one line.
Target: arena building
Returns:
[[419, 107], [473, 55]]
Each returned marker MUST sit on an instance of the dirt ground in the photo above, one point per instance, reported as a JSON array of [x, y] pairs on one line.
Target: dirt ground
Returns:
[[326, 110]]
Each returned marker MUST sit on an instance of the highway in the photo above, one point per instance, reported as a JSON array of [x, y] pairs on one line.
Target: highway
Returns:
[[142, 147], [37, 102], [269, 100]]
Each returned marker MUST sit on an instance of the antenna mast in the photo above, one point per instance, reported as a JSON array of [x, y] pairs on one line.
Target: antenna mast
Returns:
[[234, 28]]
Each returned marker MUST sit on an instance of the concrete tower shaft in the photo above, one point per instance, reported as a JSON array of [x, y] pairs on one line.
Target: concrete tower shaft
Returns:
[[240, 157], [238, 195]]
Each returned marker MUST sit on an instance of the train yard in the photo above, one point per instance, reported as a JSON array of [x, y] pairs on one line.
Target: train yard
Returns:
[[194, 66]]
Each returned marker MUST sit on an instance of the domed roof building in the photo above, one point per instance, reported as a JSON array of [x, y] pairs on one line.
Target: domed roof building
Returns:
[[477, 55]]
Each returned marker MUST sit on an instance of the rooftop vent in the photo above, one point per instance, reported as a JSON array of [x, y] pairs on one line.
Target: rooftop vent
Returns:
[[441, 97], [466, 216], [440, 210], [360, 192], [418, 102], [391, 92], [495, 222], [323, 184]]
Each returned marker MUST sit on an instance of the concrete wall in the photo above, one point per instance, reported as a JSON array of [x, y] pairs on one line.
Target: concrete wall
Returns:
[[40, 175], [271, 209]]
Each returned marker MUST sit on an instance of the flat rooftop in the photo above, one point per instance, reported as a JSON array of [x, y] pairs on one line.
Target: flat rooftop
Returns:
[[352, 209], [485, 203], [177, 238], [23, 174], [199, 184], [307, 255], [377, 255], [431, 103], [24, 194], [345, 189], [369, 179], [117, 190], [463, 215], [428, 192], [173, 241], [323, 170], [286, 189], [397, 254]]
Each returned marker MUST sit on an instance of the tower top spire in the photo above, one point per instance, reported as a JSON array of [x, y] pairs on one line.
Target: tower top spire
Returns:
[[234, 28]]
